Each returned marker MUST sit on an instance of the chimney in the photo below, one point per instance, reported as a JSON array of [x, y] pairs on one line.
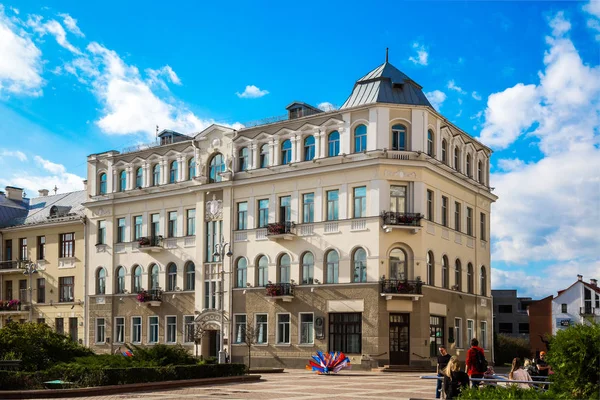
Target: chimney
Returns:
[[43, 192], [579, 277], [594, 282], [14, 193]]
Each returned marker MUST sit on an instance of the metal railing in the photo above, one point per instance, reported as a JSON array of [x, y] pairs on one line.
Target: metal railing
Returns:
[[279, 289], [14, 264], [401, 218], [589, 310], [401, 286], [150, 241], [280, 228]]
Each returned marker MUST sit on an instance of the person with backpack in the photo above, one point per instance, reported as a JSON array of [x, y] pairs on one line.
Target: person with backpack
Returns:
[[476, 362]]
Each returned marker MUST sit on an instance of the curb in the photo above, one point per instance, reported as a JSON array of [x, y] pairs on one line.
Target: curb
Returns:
[[118, 389]]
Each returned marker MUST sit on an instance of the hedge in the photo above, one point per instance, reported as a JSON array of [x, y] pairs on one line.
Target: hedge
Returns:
[[85, 376]]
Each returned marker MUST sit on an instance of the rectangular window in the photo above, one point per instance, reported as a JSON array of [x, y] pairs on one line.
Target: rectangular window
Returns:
[[524, 327], [306, 328], [67, 245], [308, 208], [360, 202], [190, 222], [188, 329], [59, 325], [153, 329], [41, 290], [100, 330], [239, 333], [171, 329], [457, 207], [136, 329], [120, 230], [437, 327], [398, 199], [101, 239], [458, 333], [285, 209], [23, 290], [213, 235], [505, 327], [154, 224], [242, 216], [563, 308], [23, 249], [483, 230], [261, 328], [137, 227], [430, 205], [172, 228], [263, 213], [8, 250], [332, 205], [483, 335], [73, 334], [345, 332], [66, 287], [469, 221], [119, 330], [41, 247], [505, 309], [283, 328], [470, 330], [8, 292], [444, 211], [210, 298]]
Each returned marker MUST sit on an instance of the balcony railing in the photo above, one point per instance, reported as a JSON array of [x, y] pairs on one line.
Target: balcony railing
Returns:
[[401, 218], [150, 241], [279, 290], [401, 286], [152, 296], [10, 305], [280, 228], [12, 264], [589, 311]]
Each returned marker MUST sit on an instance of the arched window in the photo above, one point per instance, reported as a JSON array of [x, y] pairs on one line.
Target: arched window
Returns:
[[173, 170], [457, 275], [264, 156], [153, 276], [156, 175], [191, 168], [430, 269], [102, 184], [430, 150], [483, 283], [101, 281], [243, 159], [216, 166], [457, 159], [190, 276], [309, 148], [120, 280], [360, 138], [171, 277], [241, 271], [284, 269], [286, 152], [480, 172], [136, 274], [139, 177], [333, 266], [262, 271], [469, 171], [470, 278], [308, 268], [398, 137], [359, 261], [398, 268], [444, 151], [445, 272], [122, 181], [333, 144]]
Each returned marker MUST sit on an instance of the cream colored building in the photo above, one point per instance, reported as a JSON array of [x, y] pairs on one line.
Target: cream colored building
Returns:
[[43, 255], [364, 230]]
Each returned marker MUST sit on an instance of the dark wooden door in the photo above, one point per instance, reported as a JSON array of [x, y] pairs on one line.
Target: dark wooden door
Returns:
[[399, 339]]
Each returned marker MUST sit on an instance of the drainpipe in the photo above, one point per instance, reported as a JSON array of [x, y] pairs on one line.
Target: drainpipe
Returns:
[[86, 285]]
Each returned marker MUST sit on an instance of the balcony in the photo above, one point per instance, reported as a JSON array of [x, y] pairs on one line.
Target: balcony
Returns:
[[12, 266], [150, 244], [283, 291], [401, 220], [589, 311], [391, 288], [153, 297], [14, 306], [280, 230]]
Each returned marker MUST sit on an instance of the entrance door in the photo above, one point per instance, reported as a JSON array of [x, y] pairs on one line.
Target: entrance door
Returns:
[[399, 340], [213, 340]]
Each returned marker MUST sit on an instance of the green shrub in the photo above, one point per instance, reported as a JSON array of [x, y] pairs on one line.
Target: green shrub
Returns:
[[161, 355], [506, 348], [510, 392]]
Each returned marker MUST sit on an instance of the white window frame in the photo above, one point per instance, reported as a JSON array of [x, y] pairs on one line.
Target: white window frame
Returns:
[[115, 340], [483, 336], [167, 341], [300, 329], [96, 331], [185, 325], [150, 329], [141, 328], [470, 332], [458, 342], [235, 320], [266, 342], [278, 340]]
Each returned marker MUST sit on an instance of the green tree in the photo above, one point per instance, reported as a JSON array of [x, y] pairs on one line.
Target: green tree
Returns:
[[506, 348]]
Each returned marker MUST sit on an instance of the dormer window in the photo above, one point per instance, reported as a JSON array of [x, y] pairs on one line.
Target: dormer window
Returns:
[[309, 148], [173, 170], [139, 173], [243, 158], [264, 156], [122, 181], [286, 152], [156, 175]]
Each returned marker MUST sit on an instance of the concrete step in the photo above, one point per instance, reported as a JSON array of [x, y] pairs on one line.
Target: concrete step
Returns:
[[407, 368]]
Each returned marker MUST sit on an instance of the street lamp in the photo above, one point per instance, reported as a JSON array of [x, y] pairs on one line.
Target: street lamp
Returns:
[[30, 269], [220, 254]]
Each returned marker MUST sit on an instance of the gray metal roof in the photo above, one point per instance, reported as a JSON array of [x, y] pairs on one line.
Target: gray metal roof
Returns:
[[386, 84], [42, 210]]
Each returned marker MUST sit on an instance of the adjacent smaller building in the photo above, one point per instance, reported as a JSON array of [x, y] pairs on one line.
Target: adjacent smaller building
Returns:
[[510, 313]]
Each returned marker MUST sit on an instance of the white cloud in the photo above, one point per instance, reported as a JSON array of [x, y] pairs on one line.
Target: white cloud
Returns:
[[252, 92], [453, 86], [50, 166], [476, 96], [20, 61], [593, 22], [71, 24], [326, 106], [436, 98], [15, 10], [421, 56], [511, 164], [54, 28], [14, 153], [155, 76], [559, 24]]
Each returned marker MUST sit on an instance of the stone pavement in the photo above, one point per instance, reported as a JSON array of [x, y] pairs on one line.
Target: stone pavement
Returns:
[[298, 384]]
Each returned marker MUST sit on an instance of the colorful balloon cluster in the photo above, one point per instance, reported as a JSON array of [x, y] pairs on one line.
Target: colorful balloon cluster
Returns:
[[325, 363]]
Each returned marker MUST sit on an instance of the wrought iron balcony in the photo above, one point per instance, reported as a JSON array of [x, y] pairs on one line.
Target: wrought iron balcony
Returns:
[[7, 265], [589, 311], [283, 291], [153, 296], [401, 286], [280, 230], [401, 218], [150, 243]]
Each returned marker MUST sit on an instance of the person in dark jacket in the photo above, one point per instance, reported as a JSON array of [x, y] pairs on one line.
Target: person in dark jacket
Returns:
[[442, 363], [454, 379]]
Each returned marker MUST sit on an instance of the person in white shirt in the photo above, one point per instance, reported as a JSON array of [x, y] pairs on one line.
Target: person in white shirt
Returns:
[[517, 373]]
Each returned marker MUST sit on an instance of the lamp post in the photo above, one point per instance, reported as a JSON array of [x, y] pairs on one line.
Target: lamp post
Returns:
[[30, 269], [220, 252]]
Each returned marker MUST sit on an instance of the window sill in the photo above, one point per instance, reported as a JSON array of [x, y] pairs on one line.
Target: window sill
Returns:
[[99, 343], [283, 345], [306, 345], [261, 344]]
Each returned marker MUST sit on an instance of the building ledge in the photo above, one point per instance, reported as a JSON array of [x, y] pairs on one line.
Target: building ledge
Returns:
[[393, 296]]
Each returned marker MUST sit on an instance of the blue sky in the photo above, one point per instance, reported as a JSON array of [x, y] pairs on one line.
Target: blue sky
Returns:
[[522, 76]]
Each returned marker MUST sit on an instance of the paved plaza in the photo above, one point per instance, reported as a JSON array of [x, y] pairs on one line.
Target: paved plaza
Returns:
[[298, 384]]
